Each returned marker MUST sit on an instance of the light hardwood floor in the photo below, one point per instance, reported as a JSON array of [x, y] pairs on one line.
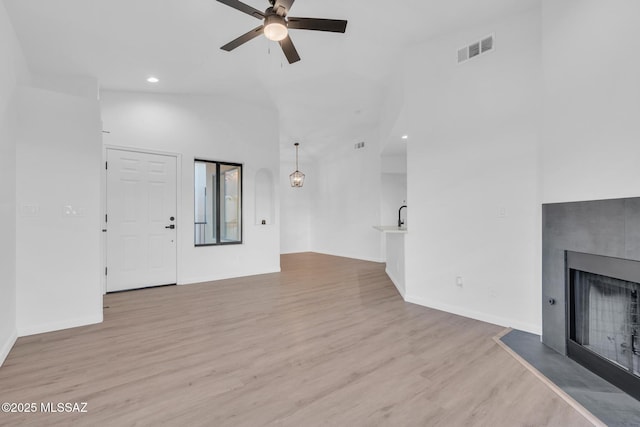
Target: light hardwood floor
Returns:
[[326, 342]]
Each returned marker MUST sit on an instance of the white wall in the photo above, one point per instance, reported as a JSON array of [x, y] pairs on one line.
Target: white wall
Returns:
[[394, 164], [82, 86], [392, 117], [13, 71], [393, 195], [295, 206], [395, 260], [393, 191], [214, 128], [264, 194], [58, 164], [591, 137], [472, 156], [334, 213], [346, 204]]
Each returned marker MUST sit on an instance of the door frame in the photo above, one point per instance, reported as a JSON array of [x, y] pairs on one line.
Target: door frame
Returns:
[[103, 205]]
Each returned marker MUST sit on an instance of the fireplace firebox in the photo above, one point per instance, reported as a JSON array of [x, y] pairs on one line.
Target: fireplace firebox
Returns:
[[603, 317]]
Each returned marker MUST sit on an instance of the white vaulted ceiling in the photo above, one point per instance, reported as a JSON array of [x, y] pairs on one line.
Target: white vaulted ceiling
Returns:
[[333, 95]]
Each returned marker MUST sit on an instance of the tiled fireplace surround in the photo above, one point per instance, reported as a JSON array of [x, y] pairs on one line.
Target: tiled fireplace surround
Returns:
[[602, 227], [605, 227]]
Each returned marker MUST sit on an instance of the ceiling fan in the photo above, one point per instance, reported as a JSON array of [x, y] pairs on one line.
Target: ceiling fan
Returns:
[[276, 25]]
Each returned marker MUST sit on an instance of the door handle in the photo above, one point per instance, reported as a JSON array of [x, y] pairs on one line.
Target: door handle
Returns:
[[172, 226]]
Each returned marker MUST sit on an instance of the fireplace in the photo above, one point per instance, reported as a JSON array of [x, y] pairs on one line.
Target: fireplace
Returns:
[[603, 317]]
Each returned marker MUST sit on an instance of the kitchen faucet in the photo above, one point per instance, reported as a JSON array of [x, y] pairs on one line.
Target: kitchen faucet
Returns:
[[400, 221]]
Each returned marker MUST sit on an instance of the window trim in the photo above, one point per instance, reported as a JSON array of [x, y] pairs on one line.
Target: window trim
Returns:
[[218, 163]]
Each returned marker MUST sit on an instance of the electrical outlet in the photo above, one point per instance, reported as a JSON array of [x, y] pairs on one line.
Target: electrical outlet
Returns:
[[73, 212], [459, 281]]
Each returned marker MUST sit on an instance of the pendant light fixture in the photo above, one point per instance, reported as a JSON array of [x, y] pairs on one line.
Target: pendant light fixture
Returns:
[[297, 178]]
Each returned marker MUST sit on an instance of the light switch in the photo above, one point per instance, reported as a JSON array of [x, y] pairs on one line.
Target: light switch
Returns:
[[29, 211]]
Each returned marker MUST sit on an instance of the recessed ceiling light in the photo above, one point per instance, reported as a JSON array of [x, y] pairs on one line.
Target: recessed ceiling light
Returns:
[[153, 80], [405, 137]]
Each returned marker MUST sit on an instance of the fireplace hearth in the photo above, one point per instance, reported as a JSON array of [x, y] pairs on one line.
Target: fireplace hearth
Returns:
[[603, 317]]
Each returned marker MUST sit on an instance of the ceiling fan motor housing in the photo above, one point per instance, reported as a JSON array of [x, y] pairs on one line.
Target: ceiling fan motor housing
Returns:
[[276, 10], [274, 19]]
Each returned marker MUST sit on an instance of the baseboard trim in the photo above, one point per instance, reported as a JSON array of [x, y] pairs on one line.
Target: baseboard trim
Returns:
[[196, 280], [58, 326], [7, 346], [395, 282], [477, 315], [378, 260], [302, 251]]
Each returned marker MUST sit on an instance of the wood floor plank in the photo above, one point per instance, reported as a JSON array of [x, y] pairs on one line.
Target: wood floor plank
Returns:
[[326, 342]]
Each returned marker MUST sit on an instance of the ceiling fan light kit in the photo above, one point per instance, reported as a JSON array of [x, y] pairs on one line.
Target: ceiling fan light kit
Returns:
[[276, 25], [275, 28]]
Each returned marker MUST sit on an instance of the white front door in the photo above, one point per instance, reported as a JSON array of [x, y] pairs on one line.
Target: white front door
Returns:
[[141, 220]]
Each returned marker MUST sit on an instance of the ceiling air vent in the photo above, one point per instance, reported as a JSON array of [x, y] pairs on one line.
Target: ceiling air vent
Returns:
[[486, 44], [463, 54], [476, 49]]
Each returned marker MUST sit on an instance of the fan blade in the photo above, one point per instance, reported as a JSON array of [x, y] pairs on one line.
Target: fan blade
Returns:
[[289, 50], [282, 7], [243, 39], [238, 5], [332, 25]]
